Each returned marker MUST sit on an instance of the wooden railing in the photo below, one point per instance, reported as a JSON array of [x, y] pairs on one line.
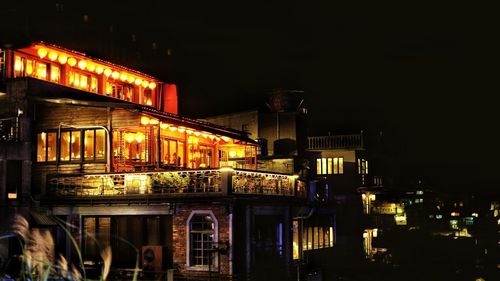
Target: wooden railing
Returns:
[[209, 182], [335, 142]]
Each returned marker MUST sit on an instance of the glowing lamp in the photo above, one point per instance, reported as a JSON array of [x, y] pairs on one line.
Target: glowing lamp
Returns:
[[182, 129], [149, 102], [211, 137], [153, 121], [204, 135], [145, 84], [11, 195], [42, 52], [115, 74], [99, 69], [372, 197], [123, 76], [107, 72], [72, 62], [189, 132], [144, 120], [130, 138], [163, 125], [196, 133], [172, 128], [63, 59], [139, 138], [91, 67], [82, 64], [152, 85], [224, 138], [138, 81], [52, 55], [130, 79], [232, 153]]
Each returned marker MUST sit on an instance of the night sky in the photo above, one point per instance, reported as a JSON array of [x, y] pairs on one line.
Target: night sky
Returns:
[[413, 69]]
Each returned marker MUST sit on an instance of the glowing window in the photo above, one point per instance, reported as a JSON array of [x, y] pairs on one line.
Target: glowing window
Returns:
[[51, 147], [89, 145], [30, 67], [328, 166], [362, 166], [93, 84], [295, 243], [70, 146], [55, 73], [41, 71], [41, 151], [18, 66], [201, 237]]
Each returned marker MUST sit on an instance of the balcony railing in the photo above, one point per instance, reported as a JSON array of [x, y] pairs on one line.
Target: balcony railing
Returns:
[[335, 142], [174, 183]]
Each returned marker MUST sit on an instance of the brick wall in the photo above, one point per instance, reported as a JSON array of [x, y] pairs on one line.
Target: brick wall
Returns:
[[180, 236]]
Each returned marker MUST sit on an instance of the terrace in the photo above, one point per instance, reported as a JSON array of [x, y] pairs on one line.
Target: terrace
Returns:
[[354, 141], [157, 185]]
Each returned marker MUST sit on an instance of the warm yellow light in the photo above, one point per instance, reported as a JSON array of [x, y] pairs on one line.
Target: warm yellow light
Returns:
[[138, 81], [475, 215], [144, 120], [115, 74], [11, 195], [232, 153], [52, 55], [139, 137], [196, 133], [145, 84], [107, 72], [189, 132], [18, 65], [152, 85], [99, 69], [123, 76], [241, 153], [131, 79], [91, 67], [154, 121], [182, 129], [72, 62], [224, 138], [172, 128], [204, 135], [455, 214], [149, 102], [62, 59], [211, 137], [164, 125], [372, 197], [82, 64], [29, 68], [226, 169], [130, 138], [42, 52]]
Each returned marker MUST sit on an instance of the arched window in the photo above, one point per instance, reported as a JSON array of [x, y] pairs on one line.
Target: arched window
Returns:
[[202, 235]]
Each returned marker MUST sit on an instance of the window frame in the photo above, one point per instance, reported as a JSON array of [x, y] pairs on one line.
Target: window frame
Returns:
[[215, 264], [82, 159], [330, 165]]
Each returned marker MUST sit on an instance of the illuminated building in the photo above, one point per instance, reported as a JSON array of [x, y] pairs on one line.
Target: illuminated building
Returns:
[[102, 147]]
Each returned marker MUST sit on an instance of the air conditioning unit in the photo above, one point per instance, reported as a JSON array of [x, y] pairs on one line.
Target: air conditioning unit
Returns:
[[152, 258]]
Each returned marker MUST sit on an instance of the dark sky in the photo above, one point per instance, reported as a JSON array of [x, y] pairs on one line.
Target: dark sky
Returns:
[[413, 69]]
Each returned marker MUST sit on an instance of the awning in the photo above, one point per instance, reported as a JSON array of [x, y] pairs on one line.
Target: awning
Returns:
[[42, 219]]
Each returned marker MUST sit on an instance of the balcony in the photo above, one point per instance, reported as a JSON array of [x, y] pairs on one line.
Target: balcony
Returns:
[[335, 142], [155, 186]]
